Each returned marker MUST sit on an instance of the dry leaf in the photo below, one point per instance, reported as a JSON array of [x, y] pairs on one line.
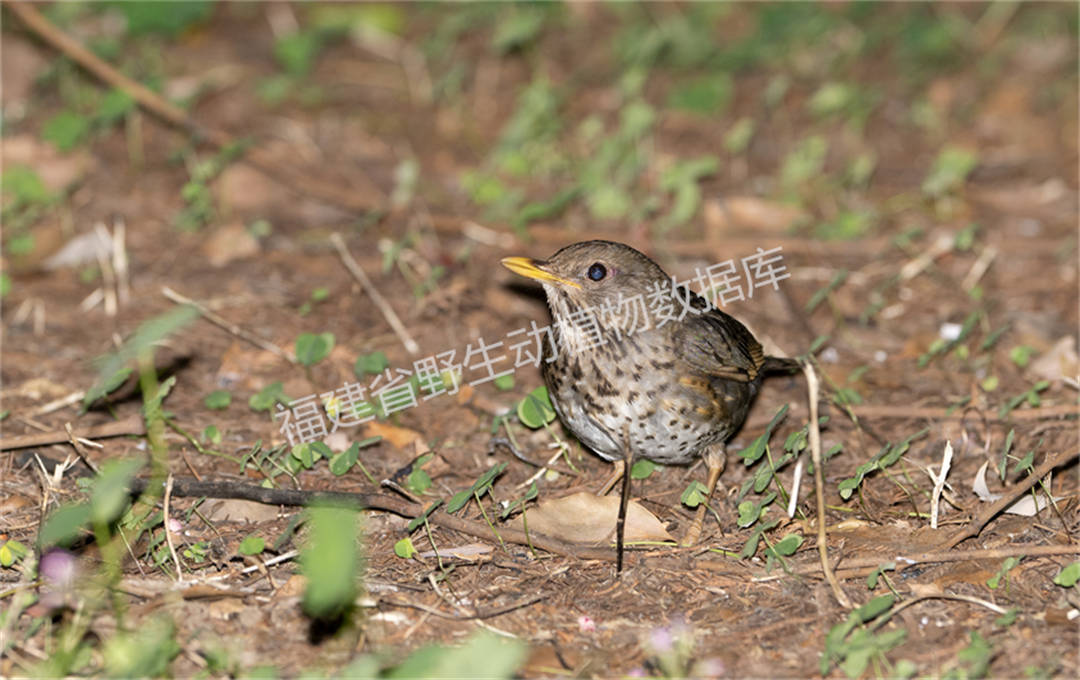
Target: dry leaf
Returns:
[[237, 510], [400, 437], [231, 242], [585, 518], [1026, 506], [470, 552], [1057, 362]]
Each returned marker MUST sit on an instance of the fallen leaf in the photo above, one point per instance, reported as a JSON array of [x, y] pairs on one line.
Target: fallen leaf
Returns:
[[85, 248], [586, 518], [470, 552], [1025, 506], [58, 171], [400, 437], [229, 243], [294, 587], [758, 214], [238, 510], [1057, 362]]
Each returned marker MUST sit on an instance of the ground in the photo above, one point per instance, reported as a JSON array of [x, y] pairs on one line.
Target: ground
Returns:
[[915, 164]]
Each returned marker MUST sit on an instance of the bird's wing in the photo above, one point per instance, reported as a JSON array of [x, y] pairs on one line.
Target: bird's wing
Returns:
[[718, 345]]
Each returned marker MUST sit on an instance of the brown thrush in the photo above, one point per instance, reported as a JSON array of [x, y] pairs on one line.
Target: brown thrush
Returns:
[[642, 368]]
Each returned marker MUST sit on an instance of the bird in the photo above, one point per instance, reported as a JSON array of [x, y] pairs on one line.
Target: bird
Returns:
[[670, 385]]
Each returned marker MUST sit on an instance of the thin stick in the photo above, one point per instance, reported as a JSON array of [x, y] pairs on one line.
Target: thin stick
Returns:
[[168, 532], [131, 425], [227, 326], [899, 411], [368, 200], [57, 404], [819, 486], [120, 261], [976, 525], [77, 445], [108, 276], [384, 307], [939, 484]]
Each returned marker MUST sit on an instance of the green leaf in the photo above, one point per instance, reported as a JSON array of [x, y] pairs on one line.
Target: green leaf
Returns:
[[342, 462], [1003, 465], [103, 388], [1008, 565], [505, 382], [144, 652], [479, 488], [483, 655], [146, 336], [422, 517], [405, 548], [167, 18], [872, 579], [708, 95], [1021, 355], [874, 608], [11, 551], [304, 453], [694, 494], [252, 545], [66, 130], [788, 545], [109, 496], [535, 410], [312, 348], [520, 27], [64, 525], [331, 561], [218, 400], [265, 399], [211, 434], [114, 106], [371, 364], [642, 469], [739, 136], [24, 186], [1068, 576], [951, 169], [756, 450], [296, 53], [1008, 618]]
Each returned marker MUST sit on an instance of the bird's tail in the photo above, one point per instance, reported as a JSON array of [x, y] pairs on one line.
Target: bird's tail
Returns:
[[780, 365]]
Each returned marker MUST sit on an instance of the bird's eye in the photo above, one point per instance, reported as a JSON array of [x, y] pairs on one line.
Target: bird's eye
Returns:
[[597, 271]]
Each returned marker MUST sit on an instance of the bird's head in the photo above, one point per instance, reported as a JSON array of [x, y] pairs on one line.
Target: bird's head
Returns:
[[589, 274]]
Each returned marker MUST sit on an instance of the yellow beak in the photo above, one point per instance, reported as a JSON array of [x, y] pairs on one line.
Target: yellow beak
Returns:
[[531, 269]]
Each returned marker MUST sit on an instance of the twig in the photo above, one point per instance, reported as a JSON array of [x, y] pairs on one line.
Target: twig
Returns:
[[387, 311], [939, 484], [490, 614], [168, 532], [900, 411], [819, 485], [227, 326], [976, 525], [851, 566], [131, 425], [77, 445], [57, 404], [108, 275], [120, 261], [370, 199]]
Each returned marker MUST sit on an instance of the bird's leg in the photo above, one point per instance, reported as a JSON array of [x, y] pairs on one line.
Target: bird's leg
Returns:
[[624, 501], [617, 470], [715, 460]]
